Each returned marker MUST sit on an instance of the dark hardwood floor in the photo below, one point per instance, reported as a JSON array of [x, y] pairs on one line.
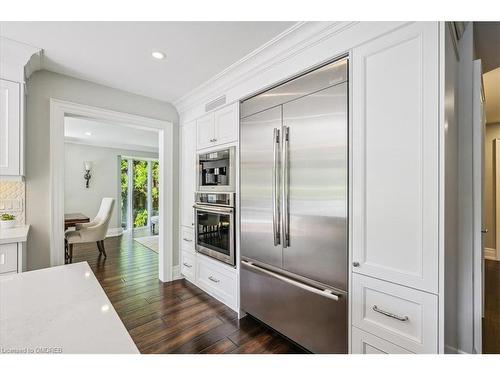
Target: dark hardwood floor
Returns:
[[175, 317], [491, 321]]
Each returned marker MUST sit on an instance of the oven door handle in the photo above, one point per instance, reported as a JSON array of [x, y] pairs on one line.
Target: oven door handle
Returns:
[[214, 209]]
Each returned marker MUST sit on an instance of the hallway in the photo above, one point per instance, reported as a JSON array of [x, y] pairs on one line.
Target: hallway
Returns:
[[491, 320]]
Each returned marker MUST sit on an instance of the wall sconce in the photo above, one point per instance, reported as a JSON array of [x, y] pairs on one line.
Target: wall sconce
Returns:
[[87, 176]]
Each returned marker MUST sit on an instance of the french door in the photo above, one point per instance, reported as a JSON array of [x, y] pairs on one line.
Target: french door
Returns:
[[139, 192]]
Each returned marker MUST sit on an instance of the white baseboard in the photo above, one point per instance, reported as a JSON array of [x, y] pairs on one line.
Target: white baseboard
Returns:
[[491, 254], [176, 273], [451, 350], [114, 232]]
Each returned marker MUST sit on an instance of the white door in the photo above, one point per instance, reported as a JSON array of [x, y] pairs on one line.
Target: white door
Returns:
[[10, 128], [395, 157], [226, 124], [478, 183], [188, 172], [205, 130]]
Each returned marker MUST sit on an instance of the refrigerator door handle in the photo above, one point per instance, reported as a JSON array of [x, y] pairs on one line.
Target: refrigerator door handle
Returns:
[[286, 192], [276, 214], [327, 293]]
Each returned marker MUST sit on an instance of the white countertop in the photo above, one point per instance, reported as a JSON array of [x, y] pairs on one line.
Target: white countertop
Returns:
[[62, 308], [16, 234]]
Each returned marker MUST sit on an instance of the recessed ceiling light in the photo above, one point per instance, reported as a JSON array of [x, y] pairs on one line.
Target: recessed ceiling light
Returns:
[[158, 55], [88, 133]]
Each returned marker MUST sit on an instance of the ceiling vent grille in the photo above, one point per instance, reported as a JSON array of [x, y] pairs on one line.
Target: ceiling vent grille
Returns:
[[221, 100]]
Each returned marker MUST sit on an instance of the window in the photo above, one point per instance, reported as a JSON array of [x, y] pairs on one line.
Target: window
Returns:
[[139, 191]]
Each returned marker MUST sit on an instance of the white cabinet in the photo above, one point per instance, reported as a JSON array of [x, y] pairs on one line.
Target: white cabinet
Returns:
[[8, 258], [403, 316], [395, 157], [217, 279], [13, 256], [188, 263], [226, 124], [10, 129], [218, 127], [366, 343], [205, 131], [188, 173]]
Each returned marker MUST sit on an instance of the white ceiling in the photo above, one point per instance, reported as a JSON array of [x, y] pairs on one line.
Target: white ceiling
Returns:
[[492, 94], [92, 132], [118, 54]]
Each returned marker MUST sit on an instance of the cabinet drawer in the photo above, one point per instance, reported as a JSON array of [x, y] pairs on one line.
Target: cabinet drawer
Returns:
[[366, 343], [217, 280], [403, 316], [187, 239], [188, 265], [8, 258]]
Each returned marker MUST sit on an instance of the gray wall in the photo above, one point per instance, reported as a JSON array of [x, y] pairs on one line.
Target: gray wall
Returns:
[[44, 85], [105, 181], [492, 132]]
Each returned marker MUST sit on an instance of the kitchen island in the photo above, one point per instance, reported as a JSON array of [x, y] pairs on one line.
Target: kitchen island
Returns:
[[59, 310]]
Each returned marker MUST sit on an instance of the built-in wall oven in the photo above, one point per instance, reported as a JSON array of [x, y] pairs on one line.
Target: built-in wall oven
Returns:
[[216, 170], [215, 226]]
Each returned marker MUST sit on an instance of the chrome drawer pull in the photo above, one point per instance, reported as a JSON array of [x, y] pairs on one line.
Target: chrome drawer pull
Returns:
[[211, 278], [187, 265], [390, 315], [187, 240]]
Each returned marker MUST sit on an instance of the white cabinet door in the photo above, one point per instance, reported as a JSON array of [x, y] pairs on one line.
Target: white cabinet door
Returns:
[[403, 316], [205, 130], [188, 172], [395, 157], [8, 258], [226, 124], [365, 343], [10, 128]]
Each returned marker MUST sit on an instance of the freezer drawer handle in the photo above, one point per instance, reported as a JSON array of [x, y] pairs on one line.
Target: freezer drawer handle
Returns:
[[322, 292], [390, 315], [187, 265]]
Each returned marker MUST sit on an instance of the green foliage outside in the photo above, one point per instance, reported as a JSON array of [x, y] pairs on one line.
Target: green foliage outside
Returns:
[[140, 193]]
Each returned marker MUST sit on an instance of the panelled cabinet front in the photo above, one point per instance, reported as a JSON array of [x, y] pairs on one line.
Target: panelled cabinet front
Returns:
[[395, 157], [10, 128], [188, 173]]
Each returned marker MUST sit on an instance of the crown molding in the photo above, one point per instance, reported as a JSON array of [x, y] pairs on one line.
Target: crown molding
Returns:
[[15, 56], [294, 40]]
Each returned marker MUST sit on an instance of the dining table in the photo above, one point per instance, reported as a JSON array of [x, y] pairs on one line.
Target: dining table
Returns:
[[70, 220]]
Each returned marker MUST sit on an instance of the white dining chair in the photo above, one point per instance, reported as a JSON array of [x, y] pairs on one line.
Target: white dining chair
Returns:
[[94, 231]]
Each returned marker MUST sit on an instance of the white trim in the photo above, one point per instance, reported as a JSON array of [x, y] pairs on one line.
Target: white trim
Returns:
[[58, 110], [451, 350], [176, 273], [114, 232], [497, 191], [113, 145], [297, 49]]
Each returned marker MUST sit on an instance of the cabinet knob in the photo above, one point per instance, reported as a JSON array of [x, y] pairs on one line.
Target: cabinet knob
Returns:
[[355, 264], [484, 230]]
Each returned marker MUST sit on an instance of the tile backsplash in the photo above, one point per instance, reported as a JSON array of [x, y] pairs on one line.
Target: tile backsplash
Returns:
[[12, 199]]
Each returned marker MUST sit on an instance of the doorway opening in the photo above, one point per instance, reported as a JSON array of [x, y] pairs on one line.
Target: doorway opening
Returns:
[[163, 133], [486, 110]]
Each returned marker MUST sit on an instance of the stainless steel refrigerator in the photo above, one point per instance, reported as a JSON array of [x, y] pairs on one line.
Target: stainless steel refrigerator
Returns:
[[294, 208]]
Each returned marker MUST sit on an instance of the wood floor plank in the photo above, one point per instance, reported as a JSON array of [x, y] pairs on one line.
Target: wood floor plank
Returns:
[[174, 317], [220, 347]]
